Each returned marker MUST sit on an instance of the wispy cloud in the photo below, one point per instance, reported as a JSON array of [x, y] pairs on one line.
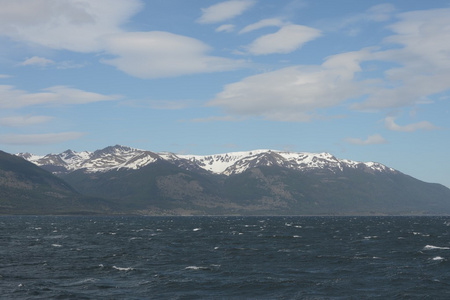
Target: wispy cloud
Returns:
[[37, 61], [225, 28], [224, 11], [18, 121], [39, 139], [371, 140], [421, 55], [288, 39], [10, 97], [352, 25], [390, 124], [216, 119], [159, 104], [272, 22], [46, 62]]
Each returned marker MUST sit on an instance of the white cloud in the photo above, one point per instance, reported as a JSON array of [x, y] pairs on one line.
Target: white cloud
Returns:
[[371, 140], [44, 62], [390, 124], [274, 22], [38, 61], [71, 25], [162, 54], [224, 11], [60, 95], [423, 56], [225, 28], [39, 139], [18, 121], [288, 39], [294, 93]]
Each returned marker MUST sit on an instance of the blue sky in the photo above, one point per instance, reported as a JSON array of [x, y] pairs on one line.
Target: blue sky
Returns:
[[363, 80]]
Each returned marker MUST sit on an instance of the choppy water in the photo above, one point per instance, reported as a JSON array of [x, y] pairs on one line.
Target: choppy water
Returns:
[[224, 257]]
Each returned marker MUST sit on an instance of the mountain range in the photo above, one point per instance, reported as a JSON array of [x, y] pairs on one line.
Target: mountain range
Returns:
[[122, 157], [259, 182]]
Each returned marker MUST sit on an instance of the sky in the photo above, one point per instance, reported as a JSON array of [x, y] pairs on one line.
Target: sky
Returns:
[[363, 80]]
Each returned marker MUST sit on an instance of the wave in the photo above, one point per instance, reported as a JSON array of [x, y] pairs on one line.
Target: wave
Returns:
[[123, 269], [431, 247], [196, 268], [208, 268], [438, 258]]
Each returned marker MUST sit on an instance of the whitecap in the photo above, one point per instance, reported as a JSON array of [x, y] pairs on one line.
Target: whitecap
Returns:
[[123, 269], [83, 282], [438, 258], [420, 233], [56, 245], [196, 229], [431, 247], [196, 268]]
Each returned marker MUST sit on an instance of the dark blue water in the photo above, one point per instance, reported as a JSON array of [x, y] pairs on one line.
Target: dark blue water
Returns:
[[224, 257]]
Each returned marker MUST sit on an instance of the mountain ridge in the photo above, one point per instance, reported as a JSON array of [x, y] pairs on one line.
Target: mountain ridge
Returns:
[[118, 156]]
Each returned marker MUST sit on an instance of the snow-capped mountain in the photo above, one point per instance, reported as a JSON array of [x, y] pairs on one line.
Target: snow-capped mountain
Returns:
[[122, 157], [258, 182]]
